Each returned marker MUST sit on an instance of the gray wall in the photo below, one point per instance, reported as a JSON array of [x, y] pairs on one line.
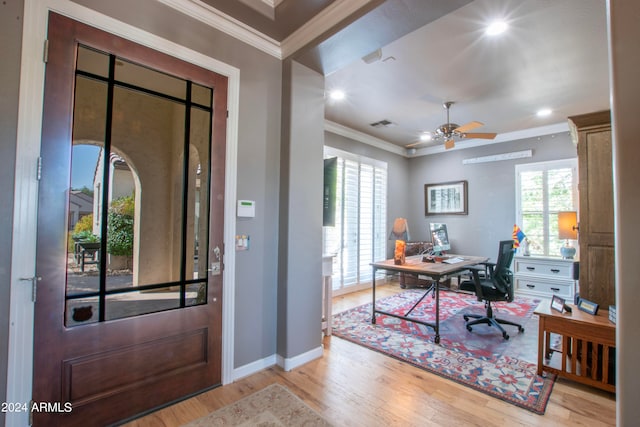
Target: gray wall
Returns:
[[10, 45], [624, 34], [300, 240], [258, 161], [397, 177], [491, 193]]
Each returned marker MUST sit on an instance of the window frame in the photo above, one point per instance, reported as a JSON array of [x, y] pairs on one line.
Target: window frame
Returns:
[[545, 167], [357, 277]]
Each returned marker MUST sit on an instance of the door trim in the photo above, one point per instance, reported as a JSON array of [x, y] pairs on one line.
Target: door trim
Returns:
[[20, 360]]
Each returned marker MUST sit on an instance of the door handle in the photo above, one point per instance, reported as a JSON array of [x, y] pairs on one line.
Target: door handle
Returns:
[[34, 284]]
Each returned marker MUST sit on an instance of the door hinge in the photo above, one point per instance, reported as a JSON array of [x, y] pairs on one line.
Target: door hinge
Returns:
[[39, 169], [45, 54], [34, 285]]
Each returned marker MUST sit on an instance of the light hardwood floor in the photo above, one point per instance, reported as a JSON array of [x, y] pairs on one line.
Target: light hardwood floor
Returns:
[[353, 386]]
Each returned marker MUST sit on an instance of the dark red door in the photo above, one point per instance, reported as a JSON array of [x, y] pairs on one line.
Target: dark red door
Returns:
[[130, 229]]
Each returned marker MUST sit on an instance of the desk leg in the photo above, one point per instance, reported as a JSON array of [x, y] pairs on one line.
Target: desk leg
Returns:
[[437, 328], [541, 344], [373, 306]]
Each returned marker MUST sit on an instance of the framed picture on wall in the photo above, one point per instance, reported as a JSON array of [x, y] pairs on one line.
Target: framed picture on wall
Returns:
[[446, 198]]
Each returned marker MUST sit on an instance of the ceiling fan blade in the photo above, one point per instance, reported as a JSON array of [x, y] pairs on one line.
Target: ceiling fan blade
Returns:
[[486, 135], [467, 127], [449, 144]]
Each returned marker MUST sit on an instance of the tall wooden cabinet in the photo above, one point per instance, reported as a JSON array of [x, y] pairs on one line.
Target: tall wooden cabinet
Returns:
[[592, 134]]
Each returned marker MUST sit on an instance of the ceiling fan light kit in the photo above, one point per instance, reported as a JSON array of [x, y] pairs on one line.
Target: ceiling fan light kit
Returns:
[[449, 132]]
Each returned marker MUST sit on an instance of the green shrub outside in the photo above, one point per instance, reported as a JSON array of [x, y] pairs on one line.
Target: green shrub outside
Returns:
[[84, 224], [120, 226]]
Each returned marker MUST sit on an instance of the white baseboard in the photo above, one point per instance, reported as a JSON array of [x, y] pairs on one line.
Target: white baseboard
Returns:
[[285, 363], [291, 363], [253, 367]]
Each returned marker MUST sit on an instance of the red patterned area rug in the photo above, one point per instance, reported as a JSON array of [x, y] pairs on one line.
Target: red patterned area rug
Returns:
[[481, 359]]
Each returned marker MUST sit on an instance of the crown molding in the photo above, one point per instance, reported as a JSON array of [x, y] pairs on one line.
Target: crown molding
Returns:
[[221, 21], [272, 3], [320, 23], [362, 137]]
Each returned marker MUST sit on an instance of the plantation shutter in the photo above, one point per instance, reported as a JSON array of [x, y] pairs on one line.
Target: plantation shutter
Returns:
[[358, 237], [544, 189]]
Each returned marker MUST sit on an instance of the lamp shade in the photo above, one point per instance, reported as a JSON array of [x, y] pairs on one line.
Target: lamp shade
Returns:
[[568, 225], [400, 230]]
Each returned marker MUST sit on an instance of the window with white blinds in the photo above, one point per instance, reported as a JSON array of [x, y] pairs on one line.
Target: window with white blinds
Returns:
[[358, 237], [542, 190]]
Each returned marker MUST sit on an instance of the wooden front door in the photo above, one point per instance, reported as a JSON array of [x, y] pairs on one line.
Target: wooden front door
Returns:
[[130, 229]]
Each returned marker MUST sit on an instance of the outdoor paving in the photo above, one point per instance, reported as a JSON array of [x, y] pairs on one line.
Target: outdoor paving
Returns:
[[119, 305]]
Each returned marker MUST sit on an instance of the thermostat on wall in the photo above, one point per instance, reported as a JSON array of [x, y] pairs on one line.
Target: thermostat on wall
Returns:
[[246, 208]]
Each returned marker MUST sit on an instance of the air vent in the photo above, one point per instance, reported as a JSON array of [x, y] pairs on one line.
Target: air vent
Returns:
[[383, 124]]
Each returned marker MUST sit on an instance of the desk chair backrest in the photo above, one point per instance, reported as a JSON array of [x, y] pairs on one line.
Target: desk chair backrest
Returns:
[[502, 277]]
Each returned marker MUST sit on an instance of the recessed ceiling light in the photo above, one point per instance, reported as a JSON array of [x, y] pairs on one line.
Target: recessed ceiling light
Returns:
[[496, 27], [337, 95], [544, 112], [425, 137]]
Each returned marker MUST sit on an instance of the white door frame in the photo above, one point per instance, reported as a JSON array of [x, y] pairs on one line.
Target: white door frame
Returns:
[[21, 317]]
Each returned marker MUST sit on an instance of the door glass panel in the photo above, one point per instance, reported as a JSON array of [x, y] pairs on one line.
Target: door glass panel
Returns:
[[153, 144], [139, 214], [146, 78], [82, 311], [142, 302], [92, 62], [196, 293], [201, 95], [85, 234], [198, 193]]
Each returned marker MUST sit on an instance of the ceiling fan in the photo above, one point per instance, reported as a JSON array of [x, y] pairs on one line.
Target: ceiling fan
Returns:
[[451, 131]]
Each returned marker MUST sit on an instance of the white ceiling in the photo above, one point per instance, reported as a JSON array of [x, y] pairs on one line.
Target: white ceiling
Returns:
[[554, 55]]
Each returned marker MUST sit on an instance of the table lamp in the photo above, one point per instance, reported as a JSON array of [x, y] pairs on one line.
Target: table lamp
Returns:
[[400, 230], [399, 233], [568, 230]]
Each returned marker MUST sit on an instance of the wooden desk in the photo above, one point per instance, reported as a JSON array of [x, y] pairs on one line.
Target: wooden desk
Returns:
[[587, 349], [437, 271]]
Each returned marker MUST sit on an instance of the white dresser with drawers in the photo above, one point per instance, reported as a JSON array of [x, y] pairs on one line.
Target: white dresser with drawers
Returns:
[[546, 276]]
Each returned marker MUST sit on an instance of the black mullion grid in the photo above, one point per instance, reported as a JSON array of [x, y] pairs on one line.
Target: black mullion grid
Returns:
[[136, 289], [111, 84], [208, 195], [105, 190], [185, 194], [142, 89]]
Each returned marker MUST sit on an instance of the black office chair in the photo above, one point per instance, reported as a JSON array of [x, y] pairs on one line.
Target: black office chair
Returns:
[[497, 285]]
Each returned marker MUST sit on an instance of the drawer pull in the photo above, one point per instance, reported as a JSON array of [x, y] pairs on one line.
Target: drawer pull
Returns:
[[555, 289], [555, 270], [531, 268], [531, 286]]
